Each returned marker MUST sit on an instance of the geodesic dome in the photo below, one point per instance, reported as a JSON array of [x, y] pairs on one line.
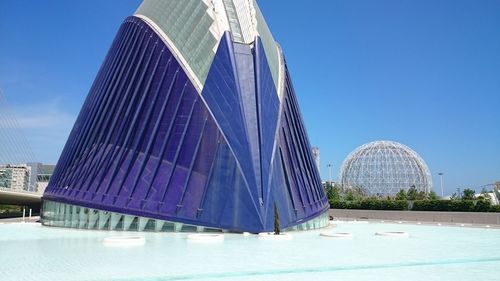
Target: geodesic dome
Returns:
[[383, 168]]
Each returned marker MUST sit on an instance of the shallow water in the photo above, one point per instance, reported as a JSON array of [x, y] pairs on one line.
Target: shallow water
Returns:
[[34, 252]]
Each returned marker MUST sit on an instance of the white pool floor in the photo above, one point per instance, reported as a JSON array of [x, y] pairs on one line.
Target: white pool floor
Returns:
[[33, 252]]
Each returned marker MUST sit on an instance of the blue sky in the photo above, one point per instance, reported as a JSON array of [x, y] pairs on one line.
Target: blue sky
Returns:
[[424, 73]]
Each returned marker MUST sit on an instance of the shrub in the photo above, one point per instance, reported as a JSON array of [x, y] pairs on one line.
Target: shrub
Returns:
[[412, 193], [432, 195], [370, 204], [418, 205], [337, 204], [468, 194], [462, 206], [431, 205], [495, 208], [401, 195], [482, 206], [332, 192], [452, 205]]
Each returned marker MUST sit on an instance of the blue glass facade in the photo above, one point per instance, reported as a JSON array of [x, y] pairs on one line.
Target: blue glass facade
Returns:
[[148, 144]]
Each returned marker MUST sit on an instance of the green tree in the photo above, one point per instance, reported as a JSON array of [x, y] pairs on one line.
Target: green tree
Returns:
[[421, 195], [482, 205], [277, 228], [401, 195], [333, 192], [349, 196], [468, 194], [412, 193], [432, 196]]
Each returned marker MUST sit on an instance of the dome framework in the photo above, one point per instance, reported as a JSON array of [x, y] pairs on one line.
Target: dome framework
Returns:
[[382, 168]]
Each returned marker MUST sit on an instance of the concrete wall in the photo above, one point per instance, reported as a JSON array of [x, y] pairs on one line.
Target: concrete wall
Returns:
[[423, 216]]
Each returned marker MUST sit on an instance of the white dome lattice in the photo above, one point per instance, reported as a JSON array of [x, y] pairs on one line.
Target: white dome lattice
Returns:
[[383, 168]]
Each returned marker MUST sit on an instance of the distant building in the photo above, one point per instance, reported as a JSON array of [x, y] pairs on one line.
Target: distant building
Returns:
[[315, 152], [41, 176], [15, 177], [32, 177]]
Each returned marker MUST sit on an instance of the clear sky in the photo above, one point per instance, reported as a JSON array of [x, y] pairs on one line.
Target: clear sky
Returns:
[[425, 73]]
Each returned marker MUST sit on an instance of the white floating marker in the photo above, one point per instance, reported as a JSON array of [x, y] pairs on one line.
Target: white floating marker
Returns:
[[336, 235], [402, 234], [205, 238], [124, 241]]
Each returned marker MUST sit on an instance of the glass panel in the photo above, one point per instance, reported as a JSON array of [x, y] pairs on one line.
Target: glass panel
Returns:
[[151, 225], [159, 225], [115, 219], [187, 25], [103, 219], [134, 226], [67, 215], [74, 216], [84, 217], [177, 227], [121, 223], [93, 218], [272, 55], [168, 227], [189, 228], [142, 223], [207, 229], [59, 214], [127, 222], [234, 23]]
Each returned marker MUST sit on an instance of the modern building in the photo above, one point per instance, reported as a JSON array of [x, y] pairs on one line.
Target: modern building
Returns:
[[15, 177], [41, 175], [192, 123], [33, 177], [382, 168]]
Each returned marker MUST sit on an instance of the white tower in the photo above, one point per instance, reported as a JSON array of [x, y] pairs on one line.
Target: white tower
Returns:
[[315, 152]]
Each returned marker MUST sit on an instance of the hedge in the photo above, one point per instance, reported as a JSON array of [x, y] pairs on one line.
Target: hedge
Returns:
[[417, 205], [444, 205], [370, 204]]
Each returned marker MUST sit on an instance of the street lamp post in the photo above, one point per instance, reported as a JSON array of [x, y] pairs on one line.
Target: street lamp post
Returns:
[[329, 165], [441, 178]]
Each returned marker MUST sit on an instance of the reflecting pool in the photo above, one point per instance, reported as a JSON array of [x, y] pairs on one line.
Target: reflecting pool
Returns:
[[34, 252]]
